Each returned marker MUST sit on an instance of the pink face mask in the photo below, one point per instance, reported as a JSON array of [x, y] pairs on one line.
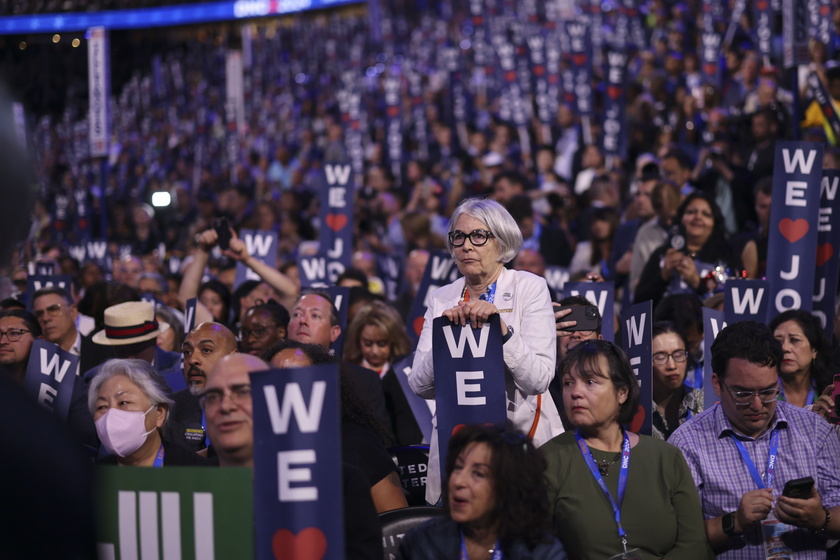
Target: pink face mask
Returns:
[[122, 432]]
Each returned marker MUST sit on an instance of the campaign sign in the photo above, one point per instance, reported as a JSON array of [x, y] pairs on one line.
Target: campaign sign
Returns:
[[340, 296], [95, 250], [763, 17], [418, 405], [37, 281], [713, 323], [637, 341], [828, 242], [41, 268], [711, 43], [556, 277], [260, 244], [297, 463], [581, 52], [797, 178], [189, 315], [390, 270], [615, 130], [745, 300], [795, 33], [99, 85], [440, 270], [469, 377], [50, 375], [600, 294], [190, 513]]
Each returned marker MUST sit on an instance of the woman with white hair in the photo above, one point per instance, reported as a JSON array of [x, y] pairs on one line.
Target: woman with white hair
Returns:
[[130, 403], [482, 238]]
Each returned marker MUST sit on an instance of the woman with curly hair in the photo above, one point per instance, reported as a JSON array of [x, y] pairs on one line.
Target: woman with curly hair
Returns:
[[494, 500]]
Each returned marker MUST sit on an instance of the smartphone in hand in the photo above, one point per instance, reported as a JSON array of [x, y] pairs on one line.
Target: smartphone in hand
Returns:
[[222, 227], [587, 317], [799, 488]]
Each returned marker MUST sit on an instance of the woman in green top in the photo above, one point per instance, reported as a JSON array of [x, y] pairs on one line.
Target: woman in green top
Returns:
[[612, 491]]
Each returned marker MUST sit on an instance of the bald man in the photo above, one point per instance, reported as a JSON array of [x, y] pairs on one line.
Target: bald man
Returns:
[[228, 409], [203, 347]]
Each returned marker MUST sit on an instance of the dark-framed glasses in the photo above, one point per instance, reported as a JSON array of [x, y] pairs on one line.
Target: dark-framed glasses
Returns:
[[13, 334], [238, 395], [743, 397], [661, 358], [477, 237], [257, 332]]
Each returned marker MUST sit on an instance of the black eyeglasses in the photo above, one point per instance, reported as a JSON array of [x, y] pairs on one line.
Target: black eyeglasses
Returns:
[[258, 332], [745, 398], [661, 358], [477, 237], [13, 334]]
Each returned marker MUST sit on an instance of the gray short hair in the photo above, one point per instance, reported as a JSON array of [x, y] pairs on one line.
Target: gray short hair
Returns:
[[142, 374], [497, 219]]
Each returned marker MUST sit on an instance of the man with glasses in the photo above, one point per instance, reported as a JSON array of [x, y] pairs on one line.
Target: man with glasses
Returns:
[[743, 450], [18, 330]]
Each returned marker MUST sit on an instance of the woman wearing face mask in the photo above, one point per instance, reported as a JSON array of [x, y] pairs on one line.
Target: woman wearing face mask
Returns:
[[130, 402]]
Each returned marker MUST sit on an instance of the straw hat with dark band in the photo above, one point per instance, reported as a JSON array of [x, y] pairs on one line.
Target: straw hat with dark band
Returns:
[[129, 323]]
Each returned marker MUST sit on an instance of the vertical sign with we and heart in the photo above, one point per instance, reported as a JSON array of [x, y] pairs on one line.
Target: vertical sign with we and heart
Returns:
[[336, 194], [792, 258]]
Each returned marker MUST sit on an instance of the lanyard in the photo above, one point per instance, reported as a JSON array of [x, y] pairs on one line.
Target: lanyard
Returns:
[[159, 458], [497, 550], [489, 296], [622, 479], [771, 460], [808, 400], [204, 427]]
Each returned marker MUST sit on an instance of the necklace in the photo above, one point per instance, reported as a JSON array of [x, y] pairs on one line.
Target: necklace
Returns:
[[604, 466]]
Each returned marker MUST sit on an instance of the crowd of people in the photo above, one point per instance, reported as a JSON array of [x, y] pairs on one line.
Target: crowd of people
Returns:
[[448, 165]]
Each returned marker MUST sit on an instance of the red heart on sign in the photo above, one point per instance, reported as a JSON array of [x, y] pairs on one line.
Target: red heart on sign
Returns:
[[614, 92], [638, 419], [309, 544], [793, 230], [824, 253], [418, 325], [336, 221], [761, 5], [579, 59]]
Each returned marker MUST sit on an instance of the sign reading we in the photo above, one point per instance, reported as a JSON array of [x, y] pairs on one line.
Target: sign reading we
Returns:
[[469, 377], [297, 463], [50, 376]]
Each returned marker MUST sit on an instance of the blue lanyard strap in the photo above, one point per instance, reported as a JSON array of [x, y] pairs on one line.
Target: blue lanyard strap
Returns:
[[204, 427], [497, 550], [771, 460], [622, 478], [809, 400], [159, 458]]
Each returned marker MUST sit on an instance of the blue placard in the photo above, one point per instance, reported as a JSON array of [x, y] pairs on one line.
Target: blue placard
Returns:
[[637, 340], [297, 462], [390, 269], [95, 250], [469, 377], [745, 300], [50, 375], [37, 281], [713, 323], [440, 270], [797, 177], [337, 192], [580, 41], [602, 295], [260, 244], [828, 243], [614, 141], [189, 315], [419, 407]]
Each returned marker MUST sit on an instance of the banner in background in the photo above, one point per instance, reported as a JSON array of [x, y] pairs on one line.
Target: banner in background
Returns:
[[828, 245], [745, 300], [50, 376], [601, 294], [440, 270], [99, 84], [260, 244], [713, 323], [637, 340]]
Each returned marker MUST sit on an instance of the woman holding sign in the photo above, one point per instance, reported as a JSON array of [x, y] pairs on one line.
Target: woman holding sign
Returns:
[[495, 504], [612, 491], [482, 238]]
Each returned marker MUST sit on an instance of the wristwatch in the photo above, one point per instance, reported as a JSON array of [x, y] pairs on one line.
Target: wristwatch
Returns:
[[728, 522], [508, 336]]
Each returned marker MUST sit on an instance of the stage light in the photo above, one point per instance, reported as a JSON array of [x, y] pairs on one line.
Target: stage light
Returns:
[[56, 38], [161, 199]]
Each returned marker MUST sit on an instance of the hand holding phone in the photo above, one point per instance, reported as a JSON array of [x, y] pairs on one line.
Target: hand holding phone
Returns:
[[222, 227], [799, 488], [587, 316]]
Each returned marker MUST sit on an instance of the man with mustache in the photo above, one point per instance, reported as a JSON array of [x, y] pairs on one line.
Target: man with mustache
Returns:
[[203, 347]]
